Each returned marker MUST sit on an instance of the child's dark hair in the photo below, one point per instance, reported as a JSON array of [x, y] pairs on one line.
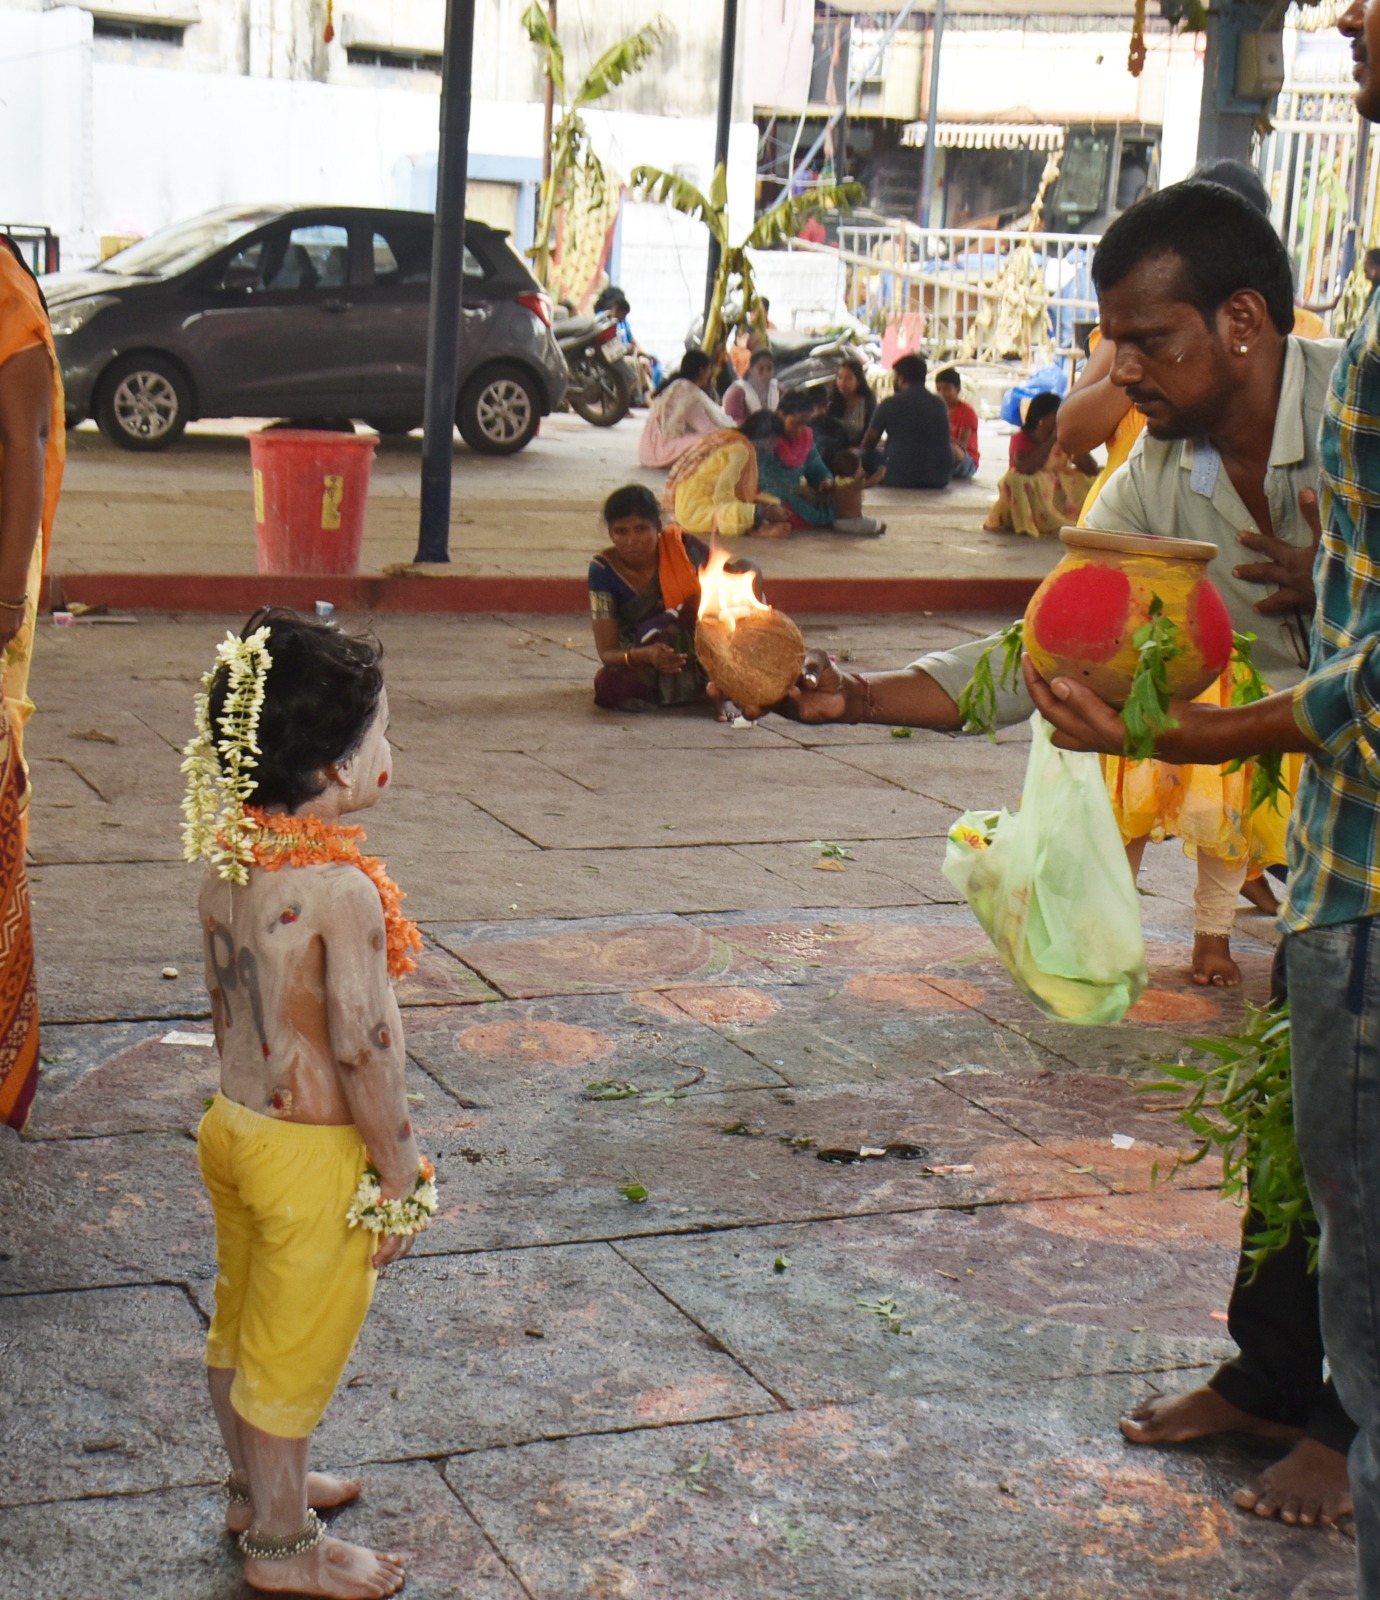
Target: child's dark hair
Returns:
[[632, 500], [1041, 406], [950, 377], [761, 426], [320, 694], [801, 403], [844, 463]]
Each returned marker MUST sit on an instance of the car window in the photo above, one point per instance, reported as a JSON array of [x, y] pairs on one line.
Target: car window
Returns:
[[310, 256], [173, 250], [402, 255]]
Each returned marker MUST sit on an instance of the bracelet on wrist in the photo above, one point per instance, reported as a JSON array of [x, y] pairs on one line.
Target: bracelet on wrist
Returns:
[[15, 605], [856, 688], [410, 1214]]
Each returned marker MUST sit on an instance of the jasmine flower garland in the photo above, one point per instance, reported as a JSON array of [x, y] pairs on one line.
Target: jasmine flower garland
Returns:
[[370, 1211], [220, 762]]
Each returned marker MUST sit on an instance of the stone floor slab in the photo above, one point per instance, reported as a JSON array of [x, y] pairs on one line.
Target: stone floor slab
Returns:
[[1034, 1498], [523, 1053], [101, 965], [166, 1546], [82, 1212], [553, 1171], [469, 1353], [102, 1392], [1002, 1298]]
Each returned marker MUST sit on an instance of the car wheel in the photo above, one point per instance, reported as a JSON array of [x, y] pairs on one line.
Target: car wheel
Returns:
[[144, 403], [499, 411]]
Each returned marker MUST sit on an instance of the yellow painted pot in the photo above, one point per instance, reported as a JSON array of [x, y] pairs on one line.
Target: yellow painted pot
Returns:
[[1081, 620]]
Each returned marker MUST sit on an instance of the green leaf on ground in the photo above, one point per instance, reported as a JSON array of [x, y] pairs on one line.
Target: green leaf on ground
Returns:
[[610, 1089], [886, 1311]]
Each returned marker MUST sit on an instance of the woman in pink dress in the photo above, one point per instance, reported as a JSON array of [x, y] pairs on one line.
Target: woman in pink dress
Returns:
[[681, 413]]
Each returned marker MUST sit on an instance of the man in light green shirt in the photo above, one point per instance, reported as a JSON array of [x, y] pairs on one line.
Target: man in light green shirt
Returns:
[[1179, 487]]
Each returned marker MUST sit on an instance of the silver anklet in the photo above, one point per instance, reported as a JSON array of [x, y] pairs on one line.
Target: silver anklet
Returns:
[[283, 1546], [237, 1489]]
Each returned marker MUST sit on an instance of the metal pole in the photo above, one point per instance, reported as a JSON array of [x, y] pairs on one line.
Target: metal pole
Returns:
[[728, 48], [447, 283], [931, 116]]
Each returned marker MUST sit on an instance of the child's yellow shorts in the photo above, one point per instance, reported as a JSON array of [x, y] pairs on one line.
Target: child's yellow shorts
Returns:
[[294, 1283]]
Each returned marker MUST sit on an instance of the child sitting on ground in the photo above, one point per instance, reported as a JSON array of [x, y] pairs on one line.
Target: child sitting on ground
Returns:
[[1044, 489], [307, 1151]]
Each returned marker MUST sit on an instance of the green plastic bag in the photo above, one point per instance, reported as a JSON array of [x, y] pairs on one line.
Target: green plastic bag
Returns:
[[1053, 889]]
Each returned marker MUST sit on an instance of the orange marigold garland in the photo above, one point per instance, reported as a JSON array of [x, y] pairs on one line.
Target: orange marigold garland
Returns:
[[284, 841], [328, 32]]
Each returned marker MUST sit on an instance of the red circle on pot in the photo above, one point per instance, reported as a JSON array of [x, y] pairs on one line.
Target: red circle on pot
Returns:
[[1209, 626], [1084, 612]]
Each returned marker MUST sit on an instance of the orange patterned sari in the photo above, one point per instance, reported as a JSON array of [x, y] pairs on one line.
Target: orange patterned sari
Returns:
[[23, 325]]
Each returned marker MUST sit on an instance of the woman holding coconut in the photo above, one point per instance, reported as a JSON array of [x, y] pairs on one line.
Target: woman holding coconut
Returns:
[[644, 596]]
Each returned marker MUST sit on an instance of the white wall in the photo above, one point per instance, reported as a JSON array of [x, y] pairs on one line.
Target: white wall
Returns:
[[1058, 77], [45, 122]]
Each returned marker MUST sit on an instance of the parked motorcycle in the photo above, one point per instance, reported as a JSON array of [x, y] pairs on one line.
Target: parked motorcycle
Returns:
[[805, 360], [600, 388]]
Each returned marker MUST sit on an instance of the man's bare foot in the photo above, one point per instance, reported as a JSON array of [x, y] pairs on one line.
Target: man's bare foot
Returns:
[[1259, 893], [1308, 1488], [334, 1569], [1176, 1418], [325, 1492], [1212, 962]]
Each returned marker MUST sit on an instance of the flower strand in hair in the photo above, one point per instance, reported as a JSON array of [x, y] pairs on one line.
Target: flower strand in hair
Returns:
[[219, 762]]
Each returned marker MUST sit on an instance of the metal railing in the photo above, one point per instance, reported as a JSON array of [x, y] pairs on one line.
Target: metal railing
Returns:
[[1308, 163], [1029, 292], [41, 246]]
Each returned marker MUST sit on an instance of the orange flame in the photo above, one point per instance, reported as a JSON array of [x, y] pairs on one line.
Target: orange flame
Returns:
[[727, 595]]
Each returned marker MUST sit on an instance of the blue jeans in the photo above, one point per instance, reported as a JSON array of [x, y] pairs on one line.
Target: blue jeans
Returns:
[[967, 468], [1334, 999]]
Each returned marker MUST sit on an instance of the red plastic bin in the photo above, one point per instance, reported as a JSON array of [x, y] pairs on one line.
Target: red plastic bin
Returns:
[[309, 494]]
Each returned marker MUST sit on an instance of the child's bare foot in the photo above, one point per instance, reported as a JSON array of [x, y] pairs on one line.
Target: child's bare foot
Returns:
[[1176, 1418], [325, 1492], [334, 1569], [1212, 962], [1308, 1488], [1259, 893]]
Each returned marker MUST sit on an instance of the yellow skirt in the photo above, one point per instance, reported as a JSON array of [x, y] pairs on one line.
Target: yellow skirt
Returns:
[[1207, 807]]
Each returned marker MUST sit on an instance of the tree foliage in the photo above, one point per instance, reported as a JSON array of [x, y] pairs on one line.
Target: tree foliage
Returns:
[[780, 223], [574, 164]]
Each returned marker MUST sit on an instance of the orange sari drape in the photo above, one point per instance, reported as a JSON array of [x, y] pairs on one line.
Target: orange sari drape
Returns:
[[23, 326]]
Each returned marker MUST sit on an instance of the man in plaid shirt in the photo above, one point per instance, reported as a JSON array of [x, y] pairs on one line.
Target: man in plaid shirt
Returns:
[[1332, 949]]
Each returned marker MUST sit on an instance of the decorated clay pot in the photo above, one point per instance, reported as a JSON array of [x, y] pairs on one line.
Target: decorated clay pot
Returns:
[[1080, 621], [754, 659]]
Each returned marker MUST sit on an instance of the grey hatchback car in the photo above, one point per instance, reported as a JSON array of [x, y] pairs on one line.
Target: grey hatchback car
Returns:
[[275, 311]]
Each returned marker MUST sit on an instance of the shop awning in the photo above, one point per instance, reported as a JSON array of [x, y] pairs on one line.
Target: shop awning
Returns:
[[987, 135]]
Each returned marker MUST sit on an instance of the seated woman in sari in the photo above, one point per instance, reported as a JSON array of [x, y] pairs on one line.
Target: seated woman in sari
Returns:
[[1044, 489], [790, 468], [644, 595], [713, 489], [681, 413]]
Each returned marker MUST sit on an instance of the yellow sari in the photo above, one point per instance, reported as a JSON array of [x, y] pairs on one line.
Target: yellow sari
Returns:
[[713, 487], [23, 326]]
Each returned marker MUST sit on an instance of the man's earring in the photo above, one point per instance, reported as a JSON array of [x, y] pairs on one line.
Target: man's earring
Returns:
[[1242, 349]]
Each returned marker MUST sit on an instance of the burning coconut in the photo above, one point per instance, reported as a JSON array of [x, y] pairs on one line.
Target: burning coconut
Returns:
[[752, 652]]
